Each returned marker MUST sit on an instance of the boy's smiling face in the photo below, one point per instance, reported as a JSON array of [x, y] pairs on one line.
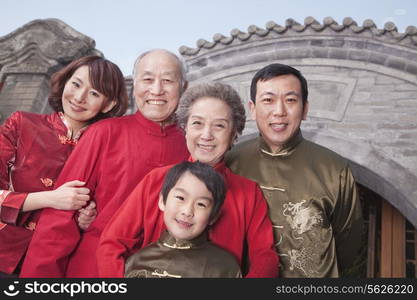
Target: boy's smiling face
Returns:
[[187, 208]]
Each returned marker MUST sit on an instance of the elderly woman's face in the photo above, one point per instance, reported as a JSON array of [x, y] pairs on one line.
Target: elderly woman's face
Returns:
[[209, 130]]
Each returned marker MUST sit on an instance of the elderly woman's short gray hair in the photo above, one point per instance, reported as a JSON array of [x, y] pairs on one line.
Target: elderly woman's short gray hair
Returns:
[[217, 90]]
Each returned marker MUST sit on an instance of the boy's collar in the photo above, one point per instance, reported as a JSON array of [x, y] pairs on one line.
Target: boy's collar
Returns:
[[169, 241]]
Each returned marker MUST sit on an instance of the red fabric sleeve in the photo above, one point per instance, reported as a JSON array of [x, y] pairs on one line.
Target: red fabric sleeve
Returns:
[[57, 233], [10, 206], [9, 135], [10, 203], [123, 232], [263, 259]]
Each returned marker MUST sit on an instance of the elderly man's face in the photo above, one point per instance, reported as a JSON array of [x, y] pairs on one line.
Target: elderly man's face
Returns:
[[279, 109], [157, 86]]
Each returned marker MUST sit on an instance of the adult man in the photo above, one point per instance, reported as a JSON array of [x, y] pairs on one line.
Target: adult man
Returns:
[[312, 198], [112, 158]]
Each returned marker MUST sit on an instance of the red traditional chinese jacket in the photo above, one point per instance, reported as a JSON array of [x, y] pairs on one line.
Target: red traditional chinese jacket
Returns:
[[243, 219], [112, 157], [33, 150]]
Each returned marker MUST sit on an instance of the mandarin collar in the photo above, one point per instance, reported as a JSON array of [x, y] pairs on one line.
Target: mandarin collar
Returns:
[[58, 120], [167, 240], [154, 128], [287, 149]]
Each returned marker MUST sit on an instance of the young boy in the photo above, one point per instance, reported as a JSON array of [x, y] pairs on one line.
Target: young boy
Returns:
[[190, 199]]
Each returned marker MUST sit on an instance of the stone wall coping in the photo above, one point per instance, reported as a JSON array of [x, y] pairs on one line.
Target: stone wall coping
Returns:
[[388, 34]]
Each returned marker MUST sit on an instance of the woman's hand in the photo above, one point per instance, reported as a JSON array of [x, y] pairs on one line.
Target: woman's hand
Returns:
[[71, 195], [87, 215]]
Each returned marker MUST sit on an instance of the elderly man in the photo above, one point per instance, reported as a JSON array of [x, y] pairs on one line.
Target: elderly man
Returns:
[[312, 197], [112, 158]]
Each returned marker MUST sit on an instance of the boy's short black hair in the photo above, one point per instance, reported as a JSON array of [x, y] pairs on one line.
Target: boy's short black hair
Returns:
[[275, 70], [213, 181]]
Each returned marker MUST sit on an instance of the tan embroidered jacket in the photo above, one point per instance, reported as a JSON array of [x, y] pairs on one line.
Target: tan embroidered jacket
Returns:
[[168, 258], [313, 203]]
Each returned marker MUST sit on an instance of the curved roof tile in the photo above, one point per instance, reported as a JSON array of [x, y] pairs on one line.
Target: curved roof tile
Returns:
[[388, 33]]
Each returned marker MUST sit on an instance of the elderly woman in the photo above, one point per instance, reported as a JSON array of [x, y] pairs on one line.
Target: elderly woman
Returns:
[[212, 116]]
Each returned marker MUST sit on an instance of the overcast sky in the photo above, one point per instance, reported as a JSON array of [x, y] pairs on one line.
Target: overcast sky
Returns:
[[123, 29]]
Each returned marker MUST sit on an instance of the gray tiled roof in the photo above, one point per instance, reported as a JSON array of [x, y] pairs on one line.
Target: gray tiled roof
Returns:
[[311, 26]]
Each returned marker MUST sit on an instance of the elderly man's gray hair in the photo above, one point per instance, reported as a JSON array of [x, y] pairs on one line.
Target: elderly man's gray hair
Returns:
[[181, 65]]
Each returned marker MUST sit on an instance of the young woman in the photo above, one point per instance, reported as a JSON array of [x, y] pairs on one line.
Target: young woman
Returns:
[[34, 148]]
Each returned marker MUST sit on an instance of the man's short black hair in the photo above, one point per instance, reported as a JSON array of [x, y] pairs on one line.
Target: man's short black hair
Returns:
[[274, 70], [213, 181]]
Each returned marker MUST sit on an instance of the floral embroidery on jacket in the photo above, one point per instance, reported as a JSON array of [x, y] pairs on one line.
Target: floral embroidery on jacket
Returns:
[[47, 182], [66, 140], [31, 226]]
